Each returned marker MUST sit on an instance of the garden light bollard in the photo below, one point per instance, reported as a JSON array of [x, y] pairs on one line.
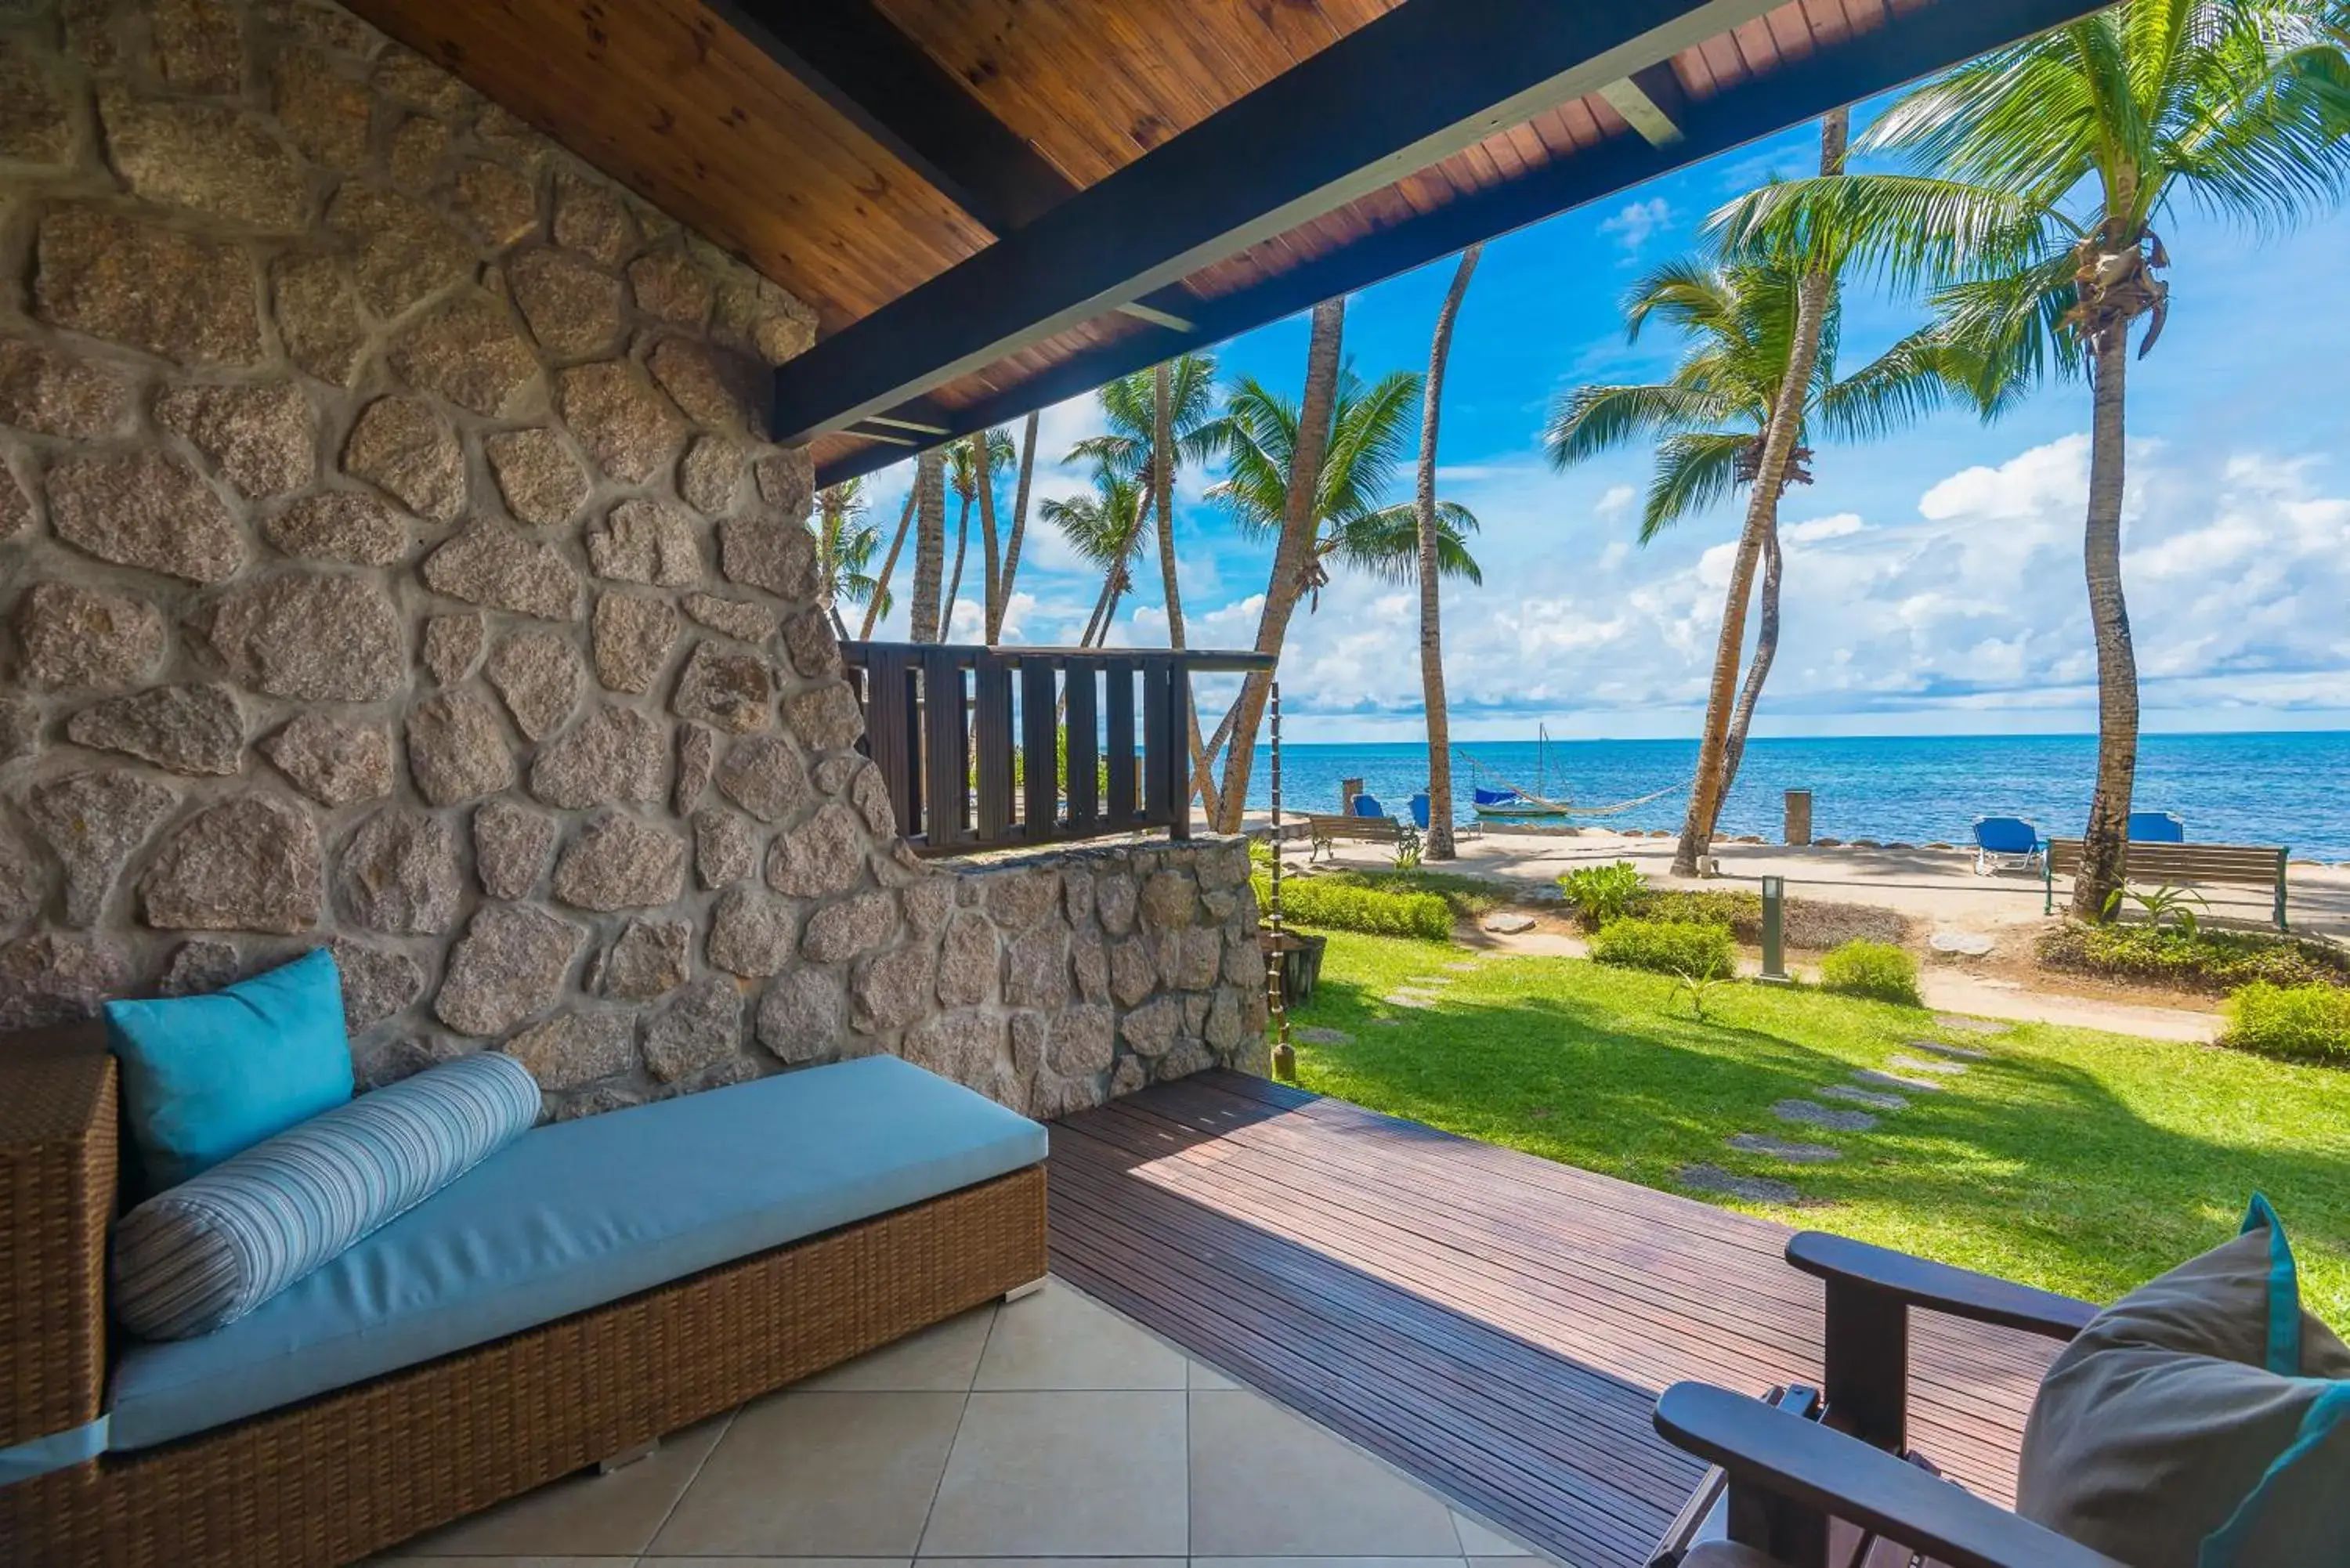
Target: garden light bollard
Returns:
[[1775, 957]]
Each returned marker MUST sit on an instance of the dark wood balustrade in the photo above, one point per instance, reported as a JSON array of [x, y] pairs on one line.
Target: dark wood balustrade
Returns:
[[968, 739]]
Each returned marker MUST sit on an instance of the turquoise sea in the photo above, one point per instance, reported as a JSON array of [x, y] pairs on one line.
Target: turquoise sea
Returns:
[[2289, 788]]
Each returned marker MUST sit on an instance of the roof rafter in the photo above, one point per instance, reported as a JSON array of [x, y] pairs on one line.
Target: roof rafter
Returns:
[[1912, 45]]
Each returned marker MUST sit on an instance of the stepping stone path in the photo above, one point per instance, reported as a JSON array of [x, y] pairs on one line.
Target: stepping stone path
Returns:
[[1779, 1148], [1869, 1097], [1470, 966], [1811, 1113], [1413, 999], [1896, 1080], [1973, 1026], [1964, 1052], [1755, 1189], [1921, 1064], [1509, 925], [1313, 1035], [1970, 944]]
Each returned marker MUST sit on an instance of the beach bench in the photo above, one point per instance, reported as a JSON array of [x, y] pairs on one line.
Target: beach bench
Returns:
[[2236, 865], [1326, 831]]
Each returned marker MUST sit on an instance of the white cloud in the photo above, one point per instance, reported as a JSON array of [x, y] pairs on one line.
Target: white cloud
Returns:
[[1615, 504], [1636, 222], [1843, 524]]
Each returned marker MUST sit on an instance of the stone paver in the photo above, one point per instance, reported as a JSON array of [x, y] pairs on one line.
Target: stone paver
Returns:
[[1896, 1080], [1941, 1048], [1811, 1113], [1973, 1026], [1779, 1148], [1872, 1098], [1923, 1064], [1509, 925], [1755, 1189], [1313, 1034]]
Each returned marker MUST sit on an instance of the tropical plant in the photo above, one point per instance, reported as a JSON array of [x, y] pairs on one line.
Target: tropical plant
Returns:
[[1699, 987], [2308, 1023], [1106, 529], [1429, 543], [845, 543], [1019, 531], [1759, 378], [879, 602], [1877, 969], [1604, 893], [971, 464], [1667, 947], [2036, 177], [2167, 903], [1171, 409], [1336, 906], [1408, 846]]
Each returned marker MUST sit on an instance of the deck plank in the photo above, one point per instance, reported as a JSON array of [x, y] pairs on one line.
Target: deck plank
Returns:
[[1496, 1324]]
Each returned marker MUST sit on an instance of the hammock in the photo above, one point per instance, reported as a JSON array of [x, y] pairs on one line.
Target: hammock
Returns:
[[1512, 794]]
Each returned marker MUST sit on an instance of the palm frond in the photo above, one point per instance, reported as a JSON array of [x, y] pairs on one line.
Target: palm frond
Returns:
[[1694, 470]]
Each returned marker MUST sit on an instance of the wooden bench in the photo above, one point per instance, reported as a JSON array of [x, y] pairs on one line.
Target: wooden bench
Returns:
[[1326, 831], [2237, 865]]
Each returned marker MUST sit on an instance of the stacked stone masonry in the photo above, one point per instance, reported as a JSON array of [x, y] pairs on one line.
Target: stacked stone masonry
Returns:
[[390, 560]]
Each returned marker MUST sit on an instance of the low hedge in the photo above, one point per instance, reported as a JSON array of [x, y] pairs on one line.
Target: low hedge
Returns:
[[1332, 904], [1876, 969], [2211, 961], [1671, 947], [1468, 896], [2302, 1023], [1810, 924]]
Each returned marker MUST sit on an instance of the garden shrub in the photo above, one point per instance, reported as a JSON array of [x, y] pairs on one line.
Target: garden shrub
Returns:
[[1877, 969], [1668, 947], [1739, 911], [2211, 961], [1603, 893], [2304, 1023], [1469, 897], [1331, 904]]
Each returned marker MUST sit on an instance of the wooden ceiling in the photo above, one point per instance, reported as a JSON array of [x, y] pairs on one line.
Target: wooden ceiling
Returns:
[[697, 107]]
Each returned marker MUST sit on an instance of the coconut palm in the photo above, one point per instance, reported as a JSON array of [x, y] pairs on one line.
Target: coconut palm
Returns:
[[845, 544], [2037, 177], [1713, 420], [929, 545], [971, 464], [879, 601], [1426, 543], [1171, 407], [1336, 512], [1106, 529], [1019, 531]]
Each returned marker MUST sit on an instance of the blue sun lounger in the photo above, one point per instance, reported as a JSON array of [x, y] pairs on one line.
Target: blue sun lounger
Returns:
[[2156, 828], [2007, 844]]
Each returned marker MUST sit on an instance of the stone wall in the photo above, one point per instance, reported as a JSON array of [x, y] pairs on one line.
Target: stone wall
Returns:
[[390, 558]]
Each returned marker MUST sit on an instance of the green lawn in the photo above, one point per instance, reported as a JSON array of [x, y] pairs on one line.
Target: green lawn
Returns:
[[2079, 1161]]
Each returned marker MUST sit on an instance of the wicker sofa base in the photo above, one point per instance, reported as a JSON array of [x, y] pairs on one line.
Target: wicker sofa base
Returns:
[[362, 1469]]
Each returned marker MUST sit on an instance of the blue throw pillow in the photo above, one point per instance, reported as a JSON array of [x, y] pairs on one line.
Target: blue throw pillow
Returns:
[[214, 1248], [206, 1077]]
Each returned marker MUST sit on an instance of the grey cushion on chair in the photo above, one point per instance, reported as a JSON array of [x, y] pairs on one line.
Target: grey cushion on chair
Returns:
[[2200, 1422]]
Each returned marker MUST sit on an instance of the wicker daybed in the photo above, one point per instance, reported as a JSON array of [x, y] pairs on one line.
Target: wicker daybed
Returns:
[[357, 1470]]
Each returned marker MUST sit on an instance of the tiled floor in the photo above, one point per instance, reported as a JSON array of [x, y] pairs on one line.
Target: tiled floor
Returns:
[[1051, 1431]]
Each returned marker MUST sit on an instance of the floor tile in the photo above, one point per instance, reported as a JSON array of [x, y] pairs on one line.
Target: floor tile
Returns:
[[819, 1475], [515, 1561], [586, 1515], [1059, 1338], [1478, 1539], [785, 1562], [1266, 1482], [1330, 1563], [1064, 1473], [1050, 1562], [1203, 1376], [940, 1358]]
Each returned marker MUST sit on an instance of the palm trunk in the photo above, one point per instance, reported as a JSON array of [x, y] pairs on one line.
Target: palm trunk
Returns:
[[1431, 633], [1717, 765], [1758, 670], [1019, 528], [1762, 515], [990, 562], [2104, 842], [1162, 485], [929, 542], [1300, 521], [890, 563], [954, 578]]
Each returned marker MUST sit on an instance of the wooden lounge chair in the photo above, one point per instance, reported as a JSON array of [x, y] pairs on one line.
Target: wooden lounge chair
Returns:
[[1809, 1478]]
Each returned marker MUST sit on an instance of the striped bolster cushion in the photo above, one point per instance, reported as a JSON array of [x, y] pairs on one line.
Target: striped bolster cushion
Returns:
[[202, 1255]]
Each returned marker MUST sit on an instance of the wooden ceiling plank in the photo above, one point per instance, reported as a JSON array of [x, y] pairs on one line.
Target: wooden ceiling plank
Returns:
[[1409, 89]]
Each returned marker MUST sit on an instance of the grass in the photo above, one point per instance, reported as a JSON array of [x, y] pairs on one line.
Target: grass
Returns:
[[2075, 1160]]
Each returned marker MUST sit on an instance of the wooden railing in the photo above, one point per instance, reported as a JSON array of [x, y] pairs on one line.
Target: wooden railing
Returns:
[[968, 739]]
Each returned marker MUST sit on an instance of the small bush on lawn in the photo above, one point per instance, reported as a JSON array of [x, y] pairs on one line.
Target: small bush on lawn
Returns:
[[2305, 1022], [1603, 893], [1668, 947], [1469, 897], [1877, 969], [2213, 962], [1330, 903], [1738, 910]]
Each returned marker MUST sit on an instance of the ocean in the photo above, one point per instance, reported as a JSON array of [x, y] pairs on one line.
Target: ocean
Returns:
[[2289, 788]]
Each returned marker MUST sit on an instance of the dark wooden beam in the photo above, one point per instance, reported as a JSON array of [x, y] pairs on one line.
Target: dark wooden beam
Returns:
[[1915, 44], [1411, 88], [1651, 102]]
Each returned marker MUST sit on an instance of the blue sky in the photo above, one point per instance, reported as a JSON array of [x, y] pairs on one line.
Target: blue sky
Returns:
[[1932, 581]]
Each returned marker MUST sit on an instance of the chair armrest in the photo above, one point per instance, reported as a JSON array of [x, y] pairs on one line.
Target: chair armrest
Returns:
[[1807, 1464], [58, 1178], [1916, 1282]]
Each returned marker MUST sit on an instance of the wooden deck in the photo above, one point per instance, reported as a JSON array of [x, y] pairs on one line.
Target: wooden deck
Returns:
[[1494, 1324]]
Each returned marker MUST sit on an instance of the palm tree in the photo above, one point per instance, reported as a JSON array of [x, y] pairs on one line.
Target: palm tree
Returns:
[[1759, 376], [930, 545], [969, 462], [1160, 419], [845, 546], [1019, 530], [1106, 529], [1431, 635], [1333, 511], [2038, 174], [880, 603]]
